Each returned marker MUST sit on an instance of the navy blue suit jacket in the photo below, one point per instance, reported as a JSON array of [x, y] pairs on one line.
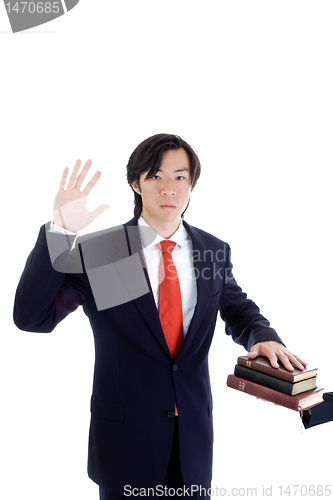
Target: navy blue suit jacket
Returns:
[[136, 381]]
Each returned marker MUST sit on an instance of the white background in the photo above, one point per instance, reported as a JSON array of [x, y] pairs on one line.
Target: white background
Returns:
[[249, 85]]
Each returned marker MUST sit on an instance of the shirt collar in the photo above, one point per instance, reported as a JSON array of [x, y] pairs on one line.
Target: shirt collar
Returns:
[[179, 237]]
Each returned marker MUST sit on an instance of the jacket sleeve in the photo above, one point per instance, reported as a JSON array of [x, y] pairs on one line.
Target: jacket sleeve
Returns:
[[241, 315], [47, 292], [320, 414]]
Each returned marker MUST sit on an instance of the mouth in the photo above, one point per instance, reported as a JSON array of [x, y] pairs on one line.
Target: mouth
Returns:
[[167, 205]]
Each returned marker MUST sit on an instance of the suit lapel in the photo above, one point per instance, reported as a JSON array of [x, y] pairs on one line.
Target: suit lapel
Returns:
[[204, 277]]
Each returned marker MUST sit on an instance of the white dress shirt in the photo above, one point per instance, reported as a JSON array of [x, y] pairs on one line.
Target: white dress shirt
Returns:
[[182, 258]]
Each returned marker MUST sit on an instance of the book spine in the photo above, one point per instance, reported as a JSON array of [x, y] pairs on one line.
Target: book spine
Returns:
[[259, 391], [263, 379], [253, 365]]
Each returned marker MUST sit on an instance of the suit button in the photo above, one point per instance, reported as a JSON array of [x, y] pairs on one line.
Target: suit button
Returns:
[[175, 368], [171, 414]]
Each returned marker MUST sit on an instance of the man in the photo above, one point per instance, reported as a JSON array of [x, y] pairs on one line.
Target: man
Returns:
[[151, 422]]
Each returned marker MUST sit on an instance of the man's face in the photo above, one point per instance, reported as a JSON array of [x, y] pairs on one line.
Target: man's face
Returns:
[[165, 196]]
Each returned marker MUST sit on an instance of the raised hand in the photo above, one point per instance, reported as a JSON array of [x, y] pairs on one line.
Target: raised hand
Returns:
[[69, 210]]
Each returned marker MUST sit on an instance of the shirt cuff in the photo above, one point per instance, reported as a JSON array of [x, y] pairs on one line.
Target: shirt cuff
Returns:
[[54, 228]]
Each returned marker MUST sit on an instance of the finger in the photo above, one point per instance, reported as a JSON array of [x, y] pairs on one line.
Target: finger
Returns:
[[92, 183], [64, 178], [295, 360], [274, 360], [83, 174], [267, 353], [304, 363], [72, 178], [285, 361]]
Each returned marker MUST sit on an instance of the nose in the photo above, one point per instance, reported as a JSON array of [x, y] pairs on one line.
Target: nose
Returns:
[[168, 189]]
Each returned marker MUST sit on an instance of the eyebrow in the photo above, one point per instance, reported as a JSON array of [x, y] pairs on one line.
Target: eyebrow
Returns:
[[178, 170]]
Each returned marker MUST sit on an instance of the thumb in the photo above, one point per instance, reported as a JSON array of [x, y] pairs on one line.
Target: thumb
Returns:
[[98, 211], [253, 354]]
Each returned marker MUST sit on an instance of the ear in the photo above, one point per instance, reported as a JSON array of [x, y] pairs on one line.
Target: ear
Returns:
[[136, 187]]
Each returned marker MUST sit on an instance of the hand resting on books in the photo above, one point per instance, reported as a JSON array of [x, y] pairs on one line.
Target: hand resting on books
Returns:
[[275, 351]]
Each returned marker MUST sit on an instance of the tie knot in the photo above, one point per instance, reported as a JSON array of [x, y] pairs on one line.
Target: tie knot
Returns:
[[167, 246]]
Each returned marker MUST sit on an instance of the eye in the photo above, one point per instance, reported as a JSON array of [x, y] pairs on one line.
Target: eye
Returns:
[[181, 177], [155, 177]]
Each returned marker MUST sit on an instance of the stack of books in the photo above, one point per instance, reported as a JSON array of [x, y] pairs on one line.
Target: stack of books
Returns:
[[296, 390]]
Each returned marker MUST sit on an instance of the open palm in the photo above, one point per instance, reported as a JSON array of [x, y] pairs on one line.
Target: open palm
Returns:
[[70, 210]]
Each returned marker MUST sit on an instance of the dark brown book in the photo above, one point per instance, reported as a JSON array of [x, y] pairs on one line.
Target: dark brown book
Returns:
[[302, 401], [262, 364]]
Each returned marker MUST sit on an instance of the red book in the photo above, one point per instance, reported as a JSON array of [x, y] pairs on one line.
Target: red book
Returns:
[[303, 401]]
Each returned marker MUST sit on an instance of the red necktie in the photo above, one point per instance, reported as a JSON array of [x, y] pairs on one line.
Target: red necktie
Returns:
[[169, 299]]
